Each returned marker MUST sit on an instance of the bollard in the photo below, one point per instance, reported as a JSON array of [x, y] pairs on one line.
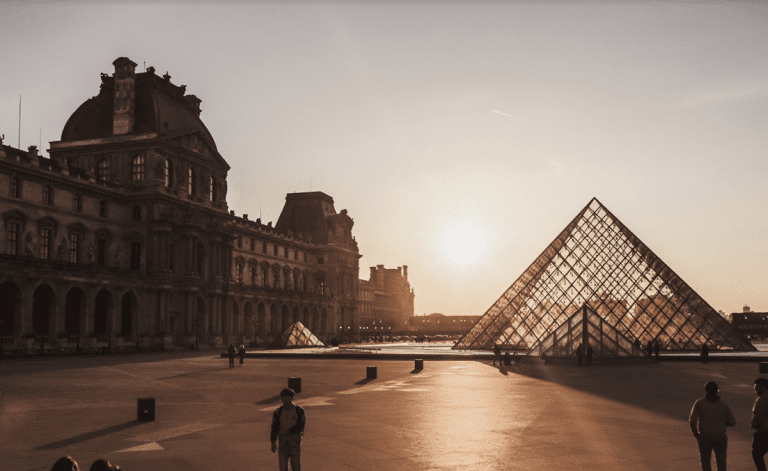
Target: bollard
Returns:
[[763, 367], [419, 365], [145, 409], [295, 384], [371, 372]]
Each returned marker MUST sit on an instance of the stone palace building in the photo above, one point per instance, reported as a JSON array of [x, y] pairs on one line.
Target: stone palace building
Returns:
[[123, 240]]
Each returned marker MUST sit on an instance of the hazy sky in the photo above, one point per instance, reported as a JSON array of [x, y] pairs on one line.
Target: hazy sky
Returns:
[[504, 119]]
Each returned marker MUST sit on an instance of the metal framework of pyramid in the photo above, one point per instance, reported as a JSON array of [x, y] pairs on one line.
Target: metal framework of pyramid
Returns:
[[598, 262], [297, 335]]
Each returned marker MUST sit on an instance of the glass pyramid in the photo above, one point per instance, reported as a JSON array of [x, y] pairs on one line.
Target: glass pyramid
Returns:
[[297, 335], [599, 263]]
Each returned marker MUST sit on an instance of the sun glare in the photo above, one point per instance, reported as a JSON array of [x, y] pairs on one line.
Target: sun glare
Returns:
[[464, 243]]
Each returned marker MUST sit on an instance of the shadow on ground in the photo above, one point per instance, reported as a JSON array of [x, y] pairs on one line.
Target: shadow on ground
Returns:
[[88, 436]]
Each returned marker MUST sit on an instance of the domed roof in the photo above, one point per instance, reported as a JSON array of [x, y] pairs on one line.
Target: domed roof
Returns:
[[160, 107]]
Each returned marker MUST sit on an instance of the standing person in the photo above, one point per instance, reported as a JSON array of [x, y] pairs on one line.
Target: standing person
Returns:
[[496, 354], [656, 349], [760, 424], [709, 418], [288, 423], [231, 353], [649, 348], [580, 354], [241, 353], [705, 353], [638, 348], [590, 352]]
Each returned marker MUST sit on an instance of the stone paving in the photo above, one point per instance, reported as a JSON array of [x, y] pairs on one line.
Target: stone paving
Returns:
[[452, 415]]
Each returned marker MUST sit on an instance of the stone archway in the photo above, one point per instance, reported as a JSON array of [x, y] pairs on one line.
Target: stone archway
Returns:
[[42, 306], [102, 313], [10, 314], [200, 320], [286, 320], [263, 324], [250, 323], [74, 311], [315, 322], [324, 322], [306, 319], [274, 320], [296, 317], [129, 314]]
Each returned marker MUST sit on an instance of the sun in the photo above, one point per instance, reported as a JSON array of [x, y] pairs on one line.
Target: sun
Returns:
[[464, 242]]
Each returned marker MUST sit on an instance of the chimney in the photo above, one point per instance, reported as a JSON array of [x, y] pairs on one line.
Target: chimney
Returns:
[[405, 272], [125, 96], [193, 103], [746, 308]]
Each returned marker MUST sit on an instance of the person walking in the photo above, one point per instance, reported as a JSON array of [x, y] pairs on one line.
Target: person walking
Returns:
[[288, 423], [590, 352], [496, 354], [231, 352], [580, 354], [649, 348], [241, 353], [656, 349], [709, 418], [705, 353], [760, 424]]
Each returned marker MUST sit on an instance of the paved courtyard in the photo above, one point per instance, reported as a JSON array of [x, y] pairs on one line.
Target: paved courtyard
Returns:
[[452, 415]]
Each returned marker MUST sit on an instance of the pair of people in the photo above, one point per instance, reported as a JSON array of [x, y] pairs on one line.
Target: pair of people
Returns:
[[232, 352], [710, 416], [67, 463]]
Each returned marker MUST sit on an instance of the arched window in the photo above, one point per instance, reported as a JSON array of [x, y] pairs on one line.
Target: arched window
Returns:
[[191, 181], [102, 169], [168, 173], [253, 275], [137, 169]]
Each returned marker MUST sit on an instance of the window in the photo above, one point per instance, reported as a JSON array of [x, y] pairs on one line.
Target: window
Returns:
[[320, 260], [296, 255], [137, 169], [239, 267], [264, 276], [101, 252], [12, 238], [191, 181], [15, 187], [253, 275], [137, 213], [102, 208], [277, 251], [74, 247], [75, 202], [45, 244], [136, 256], [211, 189], [168, 173], [102, 170], [47, 194], [239, 242], [263, 247]]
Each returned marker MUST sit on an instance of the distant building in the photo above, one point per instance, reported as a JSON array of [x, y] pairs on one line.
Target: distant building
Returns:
[[385, 300], [123, 239], [441, 324], [752, 325]]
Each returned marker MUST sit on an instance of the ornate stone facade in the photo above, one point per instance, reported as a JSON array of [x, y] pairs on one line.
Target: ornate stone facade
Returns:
[[123, 238]]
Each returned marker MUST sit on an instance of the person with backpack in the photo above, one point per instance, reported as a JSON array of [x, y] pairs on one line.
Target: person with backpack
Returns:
[[709, 418]]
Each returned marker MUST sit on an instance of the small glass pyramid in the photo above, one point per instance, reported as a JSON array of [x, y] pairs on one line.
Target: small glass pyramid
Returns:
[[599, 263], [297, 335]]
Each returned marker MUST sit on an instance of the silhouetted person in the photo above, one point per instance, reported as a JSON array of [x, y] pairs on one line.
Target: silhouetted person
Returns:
[[656, 349], [709, 418], [580, 354], [288, 423], [103, 465], [231, 352], [66, 463], [507, 359], [241, 353], [590, 352], [496, 354], [760, 424], [704, 353], [638, 347], [649, 348]]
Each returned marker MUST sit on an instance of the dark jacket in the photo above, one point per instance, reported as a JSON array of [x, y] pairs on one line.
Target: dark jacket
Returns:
[[231, 351], [298, 428]]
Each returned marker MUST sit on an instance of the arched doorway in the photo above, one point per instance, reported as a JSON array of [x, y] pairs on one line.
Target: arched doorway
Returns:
[[286, 320], [200, 319], [315, 322], [296, 314], [306, 320], [42, 304], [263, 326], [74, 311], [234, 326], [128, 314], [10, 313], [102, 312], [275, 321], [324, 322], [250, 323]]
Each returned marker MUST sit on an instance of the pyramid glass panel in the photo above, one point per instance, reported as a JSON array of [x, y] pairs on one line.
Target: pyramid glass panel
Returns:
[[598, 263], [297, 335]]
